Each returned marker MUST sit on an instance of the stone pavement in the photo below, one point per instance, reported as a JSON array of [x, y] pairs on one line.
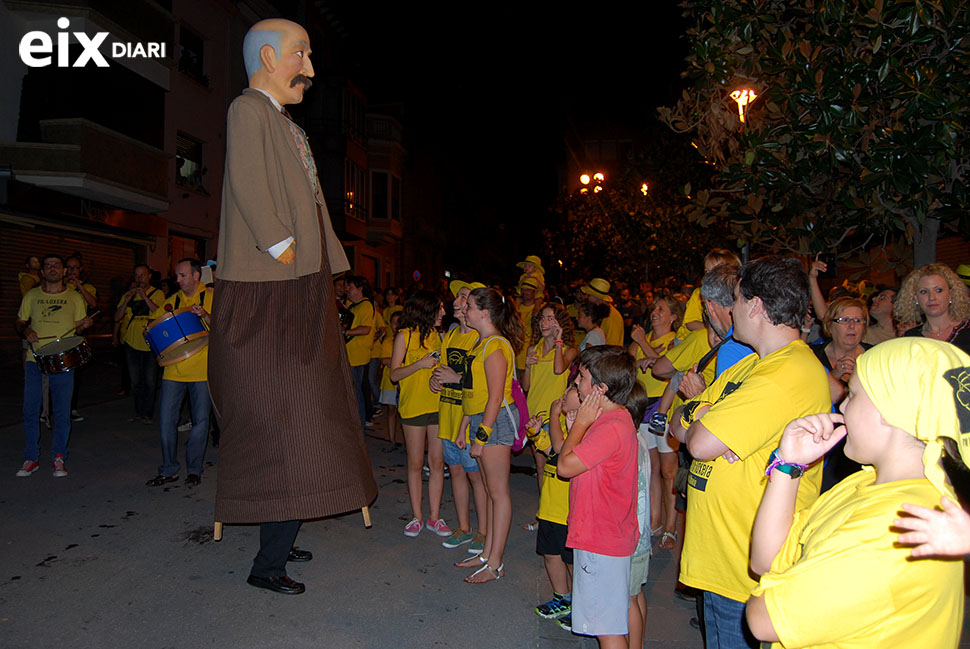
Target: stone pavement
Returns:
[[97, 560]]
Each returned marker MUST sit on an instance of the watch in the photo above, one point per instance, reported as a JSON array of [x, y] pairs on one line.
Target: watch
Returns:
[[482, 434], [791, 469]]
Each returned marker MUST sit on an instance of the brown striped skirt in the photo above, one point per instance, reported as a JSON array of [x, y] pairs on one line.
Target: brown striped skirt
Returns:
[[291, 443]]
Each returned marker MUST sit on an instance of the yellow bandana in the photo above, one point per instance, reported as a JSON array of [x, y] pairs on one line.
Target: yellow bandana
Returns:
[[923, 387]]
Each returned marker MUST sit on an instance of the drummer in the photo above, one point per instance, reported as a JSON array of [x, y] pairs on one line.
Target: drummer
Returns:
[[189, 375], [47, 312]]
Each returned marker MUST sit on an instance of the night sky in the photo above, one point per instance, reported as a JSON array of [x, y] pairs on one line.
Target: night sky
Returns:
[[492, 89]]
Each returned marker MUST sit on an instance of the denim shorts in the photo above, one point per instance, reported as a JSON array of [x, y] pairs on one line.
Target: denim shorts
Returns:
[[504, 430], [455, 456]]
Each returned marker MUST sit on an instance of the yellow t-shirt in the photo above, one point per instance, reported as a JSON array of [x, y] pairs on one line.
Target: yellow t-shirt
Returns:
[[753, 402], [554, 494], [841, 581], [454, 353], [358, 347], [475, 397], [195, 367], [388, 312], [612, 327], [416, 395], [138, 315], [525, 314], [376, 347], [51, 314], [27, 282], [654, 386], [387, 350], [693, 312], [545, 386], [688, 352]]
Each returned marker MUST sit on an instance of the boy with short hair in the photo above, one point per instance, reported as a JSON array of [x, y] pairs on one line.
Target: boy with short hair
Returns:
[[600, 456]]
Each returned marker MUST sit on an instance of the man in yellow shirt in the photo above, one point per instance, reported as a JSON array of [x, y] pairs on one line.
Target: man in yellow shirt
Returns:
[[731, 430], [188, 375], [30, 276], [598, 292], [134, 314], [48, 311], [360, 339]]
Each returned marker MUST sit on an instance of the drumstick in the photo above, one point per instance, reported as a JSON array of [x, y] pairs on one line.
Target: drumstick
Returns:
[[68, 331]]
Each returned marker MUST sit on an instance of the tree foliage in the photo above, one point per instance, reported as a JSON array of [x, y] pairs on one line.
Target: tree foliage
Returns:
[[622, 232], [858, 135]]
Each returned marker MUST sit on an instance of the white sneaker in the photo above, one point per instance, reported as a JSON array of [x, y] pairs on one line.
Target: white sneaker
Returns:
[[29, 467], [59, 470]]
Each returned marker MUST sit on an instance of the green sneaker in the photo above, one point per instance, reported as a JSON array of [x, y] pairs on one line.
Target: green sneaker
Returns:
[[478, 544], [555, 607], [458, 537]]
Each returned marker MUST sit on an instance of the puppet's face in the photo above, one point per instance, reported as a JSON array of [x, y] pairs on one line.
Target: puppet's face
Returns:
[[286, 74]]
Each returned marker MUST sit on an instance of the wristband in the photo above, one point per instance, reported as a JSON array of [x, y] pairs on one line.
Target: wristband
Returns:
[[558, 343], [484, 432], [792, 469]]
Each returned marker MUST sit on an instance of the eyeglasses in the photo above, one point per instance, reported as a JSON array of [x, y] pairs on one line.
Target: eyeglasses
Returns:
[[843, 320]]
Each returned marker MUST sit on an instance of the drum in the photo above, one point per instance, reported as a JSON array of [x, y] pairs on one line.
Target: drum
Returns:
[[176, 335], [62, 355]]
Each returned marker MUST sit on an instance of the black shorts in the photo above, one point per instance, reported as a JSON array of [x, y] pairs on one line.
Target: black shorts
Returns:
[[551, 539]]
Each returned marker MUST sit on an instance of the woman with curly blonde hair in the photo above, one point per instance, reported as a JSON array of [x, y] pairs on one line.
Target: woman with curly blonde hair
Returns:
[[936, 304]]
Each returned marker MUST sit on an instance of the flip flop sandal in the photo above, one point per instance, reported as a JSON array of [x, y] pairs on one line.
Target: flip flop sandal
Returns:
[[496, 573], [530, 527], [477, 557], [668, 540]]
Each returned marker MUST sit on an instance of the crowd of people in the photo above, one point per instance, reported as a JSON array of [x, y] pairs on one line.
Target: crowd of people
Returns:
[[768, 435]]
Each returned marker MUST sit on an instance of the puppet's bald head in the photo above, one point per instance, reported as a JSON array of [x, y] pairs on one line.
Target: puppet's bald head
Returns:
[[277, 57]]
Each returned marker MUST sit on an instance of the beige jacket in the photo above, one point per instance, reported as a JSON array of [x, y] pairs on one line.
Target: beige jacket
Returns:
[[267, 197]]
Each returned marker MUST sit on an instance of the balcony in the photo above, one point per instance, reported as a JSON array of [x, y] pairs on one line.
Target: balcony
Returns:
[[84, 159], [129, 20], [384, 231]]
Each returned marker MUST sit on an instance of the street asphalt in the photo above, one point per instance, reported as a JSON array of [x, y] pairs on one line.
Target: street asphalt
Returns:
[[97, 559]]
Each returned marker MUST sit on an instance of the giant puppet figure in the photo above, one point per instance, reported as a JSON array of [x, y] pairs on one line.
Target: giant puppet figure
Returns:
[[291, 447]]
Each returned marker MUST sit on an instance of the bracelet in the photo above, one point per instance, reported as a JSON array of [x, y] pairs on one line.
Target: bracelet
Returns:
[[484, 432], [792, 469], [558, 343]]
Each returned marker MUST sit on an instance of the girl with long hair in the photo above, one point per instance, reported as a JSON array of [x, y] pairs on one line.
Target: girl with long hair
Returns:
[[492, 419], [417, 350]]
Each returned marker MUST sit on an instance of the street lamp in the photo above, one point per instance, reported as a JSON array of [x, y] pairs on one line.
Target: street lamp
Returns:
[[743, 97]]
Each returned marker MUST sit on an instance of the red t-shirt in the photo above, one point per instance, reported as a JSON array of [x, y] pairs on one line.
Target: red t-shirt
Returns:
[[603, 500]]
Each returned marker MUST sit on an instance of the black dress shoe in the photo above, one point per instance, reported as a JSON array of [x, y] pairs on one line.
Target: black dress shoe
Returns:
[[299, 555], [159, 480], [283, 584], [193, 480]]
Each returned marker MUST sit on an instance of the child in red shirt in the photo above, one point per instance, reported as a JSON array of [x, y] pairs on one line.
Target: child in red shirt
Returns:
[[600, 458]]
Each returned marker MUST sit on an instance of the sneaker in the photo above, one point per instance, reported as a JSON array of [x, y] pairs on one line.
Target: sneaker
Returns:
[[59, 470], [555, 608], [413, 528], [185, 427], [439, 527], [478, 544], [76, 416], [566, 622], [29, 467], [457, 538], [658, 423]]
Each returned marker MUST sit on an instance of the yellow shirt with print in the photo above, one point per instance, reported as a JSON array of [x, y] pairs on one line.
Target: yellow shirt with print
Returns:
[[416, 396], [654, 386], [691, 350], [358, 347], [474, 397], [51, 315], [693, 312], [133, 326], [193, 368], [752, 401], [545, 386], [454, 354], [612, 327], [525, 314], [841, 580]]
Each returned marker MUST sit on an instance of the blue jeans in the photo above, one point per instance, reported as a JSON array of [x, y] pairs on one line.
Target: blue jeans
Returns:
[[62, 387], [168, 416], [143, 372], [374, 379], [725, 625], [358, 373]]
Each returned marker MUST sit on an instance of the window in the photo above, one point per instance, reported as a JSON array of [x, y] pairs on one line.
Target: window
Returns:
[[191, 54], [188, 161], [396, 199], [355, 200], [379, 195]]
